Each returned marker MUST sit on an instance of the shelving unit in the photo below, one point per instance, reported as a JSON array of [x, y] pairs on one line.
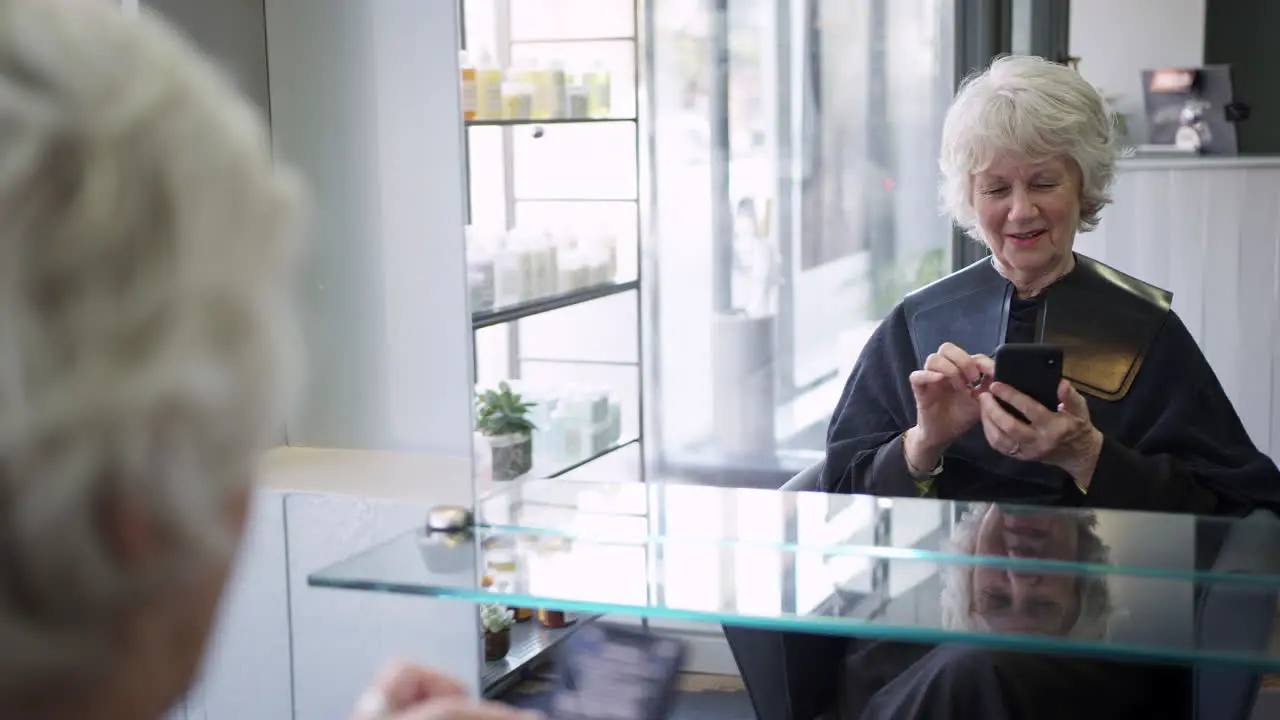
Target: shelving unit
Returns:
[[531, 643], [513, 131]]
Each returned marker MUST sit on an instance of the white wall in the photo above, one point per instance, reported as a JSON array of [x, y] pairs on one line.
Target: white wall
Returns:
[[1117, 39], [1209, 230]]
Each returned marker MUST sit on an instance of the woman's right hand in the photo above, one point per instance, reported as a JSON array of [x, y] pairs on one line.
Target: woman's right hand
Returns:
[[946, 392], [408, 692]]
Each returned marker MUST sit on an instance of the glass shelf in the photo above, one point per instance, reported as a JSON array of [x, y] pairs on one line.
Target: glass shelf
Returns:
[[537, 306], [546, 468], [1116, 584]]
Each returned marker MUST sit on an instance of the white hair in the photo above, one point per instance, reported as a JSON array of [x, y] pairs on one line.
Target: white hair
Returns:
[[1034, 108], [1093, 619], [146, 323]]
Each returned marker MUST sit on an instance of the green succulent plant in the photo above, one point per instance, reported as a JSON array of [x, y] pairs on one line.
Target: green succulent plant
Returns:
[[495, 618], [502, 412]]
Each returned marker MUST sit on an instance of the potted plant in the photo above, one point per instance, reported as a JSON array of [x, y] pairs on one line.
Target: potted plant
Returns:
[[503, 417], [496, 620]]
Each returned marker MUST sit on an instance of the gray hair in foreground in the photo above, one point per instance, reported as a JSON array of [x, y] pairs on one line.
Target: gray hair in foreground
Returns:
[[146, 323], [1094, 618], [1034, 108]]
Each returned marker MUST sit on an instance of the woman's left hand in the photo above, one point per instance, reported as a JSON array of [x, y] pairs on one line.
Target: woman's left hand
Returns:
[[1066, 438]]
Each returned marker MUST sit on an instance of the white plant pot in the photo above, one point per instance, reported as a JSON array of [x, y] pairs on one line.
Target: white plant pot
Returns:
[[512, 455], [742, 382]]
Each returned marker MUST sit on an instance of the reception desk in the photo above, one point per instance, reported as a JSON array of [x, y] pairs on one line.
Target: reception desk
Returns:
[[1209, 230]]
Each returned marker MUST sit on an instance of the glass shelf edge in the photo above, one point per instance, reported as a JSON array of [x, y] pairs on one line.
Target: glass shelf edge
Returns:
[[875, 552], [843, 627]]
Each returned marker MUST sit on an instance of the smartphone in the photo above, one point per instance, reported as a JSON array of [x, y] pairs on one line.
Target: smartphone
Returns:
[[612, 672], [1033, 369]]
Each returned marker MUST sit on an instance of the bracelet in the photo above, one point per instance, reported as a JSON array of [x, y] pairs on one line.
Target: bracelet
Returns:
[[916, 473], [923, 480]]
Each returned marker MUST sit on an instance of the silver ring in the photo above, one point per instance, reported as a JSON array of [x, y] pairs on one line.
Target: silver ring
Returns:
[[373, 705], [1017, 448]]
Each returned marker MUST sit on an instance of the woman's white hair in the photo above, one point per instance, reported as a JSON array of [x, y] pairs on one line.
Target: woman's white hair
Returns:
[[1093, 619], [1035, 109], [146, 322]]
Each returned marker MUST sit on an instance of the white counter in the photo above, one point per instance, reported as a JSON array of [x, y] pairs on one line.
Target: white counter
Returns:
[[1197, 162], [1209, 230]]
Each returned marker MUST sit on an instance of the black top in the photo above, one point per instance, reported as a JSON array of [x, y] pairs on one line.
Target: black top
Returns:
[[1023, 316]]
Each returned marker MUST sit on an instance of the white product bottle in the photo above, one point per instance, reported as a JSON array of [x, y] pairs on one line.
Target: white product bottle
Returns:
[[489, 79], [557, 91], [599, 103], [507, 272]]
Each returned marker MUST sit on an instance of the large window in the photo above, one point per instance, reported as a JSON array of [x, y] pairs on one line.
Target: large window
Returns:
[[795, 154]]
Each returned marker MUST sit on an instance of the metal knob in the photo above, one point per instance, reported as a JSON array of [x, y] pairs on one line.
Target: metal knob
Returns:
[[449, 518]]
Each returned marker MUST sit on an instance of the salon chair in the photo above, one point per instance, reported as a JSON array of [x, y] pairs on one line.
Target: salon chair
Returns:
[[793, 676]]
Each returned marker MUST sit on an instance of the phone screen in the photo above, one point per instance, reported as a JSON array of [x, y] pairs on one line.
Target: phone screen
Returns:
[[609, 672]]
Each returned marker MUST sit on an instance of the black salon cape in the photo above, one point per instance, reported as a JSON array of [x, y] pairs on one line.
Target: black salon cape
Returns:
[[1173, 444]]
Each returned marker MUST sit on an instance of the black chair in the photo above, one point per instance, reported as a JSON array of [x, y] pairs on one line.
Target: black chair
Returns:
[[793, 676]]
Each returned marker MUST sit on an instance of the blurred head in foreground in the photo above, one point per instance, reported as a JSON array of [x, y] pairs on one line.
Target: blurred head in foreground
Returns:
[[146, 335]]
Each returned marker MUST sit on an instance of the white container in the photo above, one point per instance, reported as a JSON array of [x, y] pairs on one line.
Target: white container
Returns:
[[557, 91], [578, 101], [742, 396], [489, 79]]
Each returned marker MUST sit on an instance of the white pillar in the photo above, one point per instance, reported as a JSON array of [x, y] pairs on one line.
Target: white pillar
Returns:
[[364, 98], [365, 101]]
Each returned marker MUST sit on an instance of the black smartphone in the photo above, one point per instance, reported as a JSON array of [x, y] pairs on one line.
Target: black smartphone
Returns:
[[1033, 369], [612, 672]]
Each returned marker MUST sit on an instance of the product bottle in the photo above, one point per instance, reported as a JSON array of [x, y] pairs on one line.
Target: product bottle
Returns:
[[488, 88], [557, 88], [578, 100], [517, 93], [543, 95], [468, 86], [598, 85]]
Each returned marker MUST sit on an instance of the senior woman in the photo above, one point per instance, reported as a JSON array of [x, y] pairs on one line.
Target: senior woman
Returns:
[[1142, 424], [1027, 162], [146, 238]]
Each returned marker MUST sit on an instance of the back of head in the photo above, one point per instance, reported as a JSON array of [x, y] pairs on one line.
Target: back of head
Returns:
[[1033, 108], [145, 320]]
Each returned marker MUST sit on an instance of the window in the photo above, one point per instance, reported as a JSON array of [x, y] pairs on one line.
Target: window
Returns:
[[795, 153]]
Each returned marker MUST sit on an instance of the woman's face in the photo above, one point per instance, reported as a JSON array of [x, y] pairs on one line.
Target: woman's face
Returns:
[[1028, 213]]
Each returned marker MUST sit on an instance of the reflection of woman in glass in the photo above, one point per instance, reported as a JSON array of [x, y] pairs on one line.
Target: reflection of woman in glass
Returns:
[[888, 679], [1004, 600]]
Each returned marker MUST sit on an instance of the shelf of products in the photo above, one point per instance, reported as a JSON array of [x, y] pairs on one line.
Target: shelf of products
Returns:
[[531, 642], [538, 242], [517, 273], [571, 426], [532, 88], [517, 122]]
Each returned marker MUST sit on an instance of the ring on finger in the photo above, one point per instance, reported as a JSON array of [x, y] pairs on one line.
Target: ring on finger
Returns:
[[1017, 448]]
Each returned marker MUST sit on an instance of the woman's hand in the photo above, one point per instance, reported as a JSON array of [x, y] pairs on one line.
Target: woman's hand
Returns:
[[408, 692], [1066, 439], [946, 393]]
